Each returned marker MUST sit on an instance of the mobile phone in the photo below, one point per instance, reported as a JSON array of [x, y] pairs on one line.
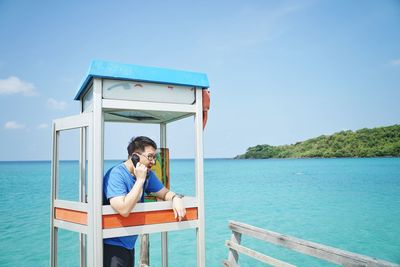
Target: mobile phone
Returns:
[[135, 159]]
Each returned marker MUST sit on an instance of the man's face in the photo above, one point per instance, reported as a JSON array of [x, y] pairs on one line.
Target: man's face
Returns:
[[148, 156]]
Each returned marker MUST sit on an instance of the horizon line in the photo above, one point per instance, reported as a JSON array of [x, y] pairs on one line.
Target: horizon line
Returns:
[[49, 160]]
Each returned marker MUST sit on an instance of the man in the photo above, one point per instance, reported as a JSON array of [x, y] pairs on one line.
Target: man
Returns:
[[124, 185]]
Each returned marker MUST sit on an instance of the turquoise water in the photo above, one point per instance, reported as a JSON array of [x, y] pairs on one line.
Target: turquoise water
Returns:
[[352, 204]]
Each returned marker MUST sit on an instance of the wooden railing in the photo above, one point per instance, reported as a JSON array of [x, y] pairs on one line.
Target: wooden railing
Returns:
[[323, 252]]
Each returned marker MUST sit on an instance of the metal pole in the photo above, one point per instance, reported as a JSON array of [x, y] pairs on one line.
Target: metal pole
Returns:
[[54, 187], [199, 178], [97, 186], [89, 200], [82, 190], [164, 235]]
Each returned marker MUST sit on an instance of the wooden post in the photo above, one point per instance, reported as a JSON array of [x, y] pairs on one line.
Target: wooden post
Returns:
[[233, 256], [144, 251]]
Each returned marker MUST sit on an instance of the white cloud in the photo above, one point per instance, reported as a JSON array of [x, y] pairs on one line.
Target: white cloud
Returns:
[[11, 125], [395, 62], [13, 85], [43, 126], [55, 104]]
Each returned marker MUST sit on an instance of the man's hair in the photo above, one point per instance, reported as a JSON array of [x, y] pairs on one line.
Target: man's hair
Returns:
[[138, 144]]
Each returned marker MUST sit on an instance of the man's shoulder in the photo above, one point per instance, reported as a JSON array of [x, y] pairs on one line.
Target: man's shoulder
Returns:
[[119, 169]]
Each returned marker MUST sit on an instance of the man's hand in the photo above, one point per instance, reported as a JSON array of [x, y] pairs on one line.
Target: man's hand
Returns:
[[179, 209], [125, 204], [140, 171], [177, 202]]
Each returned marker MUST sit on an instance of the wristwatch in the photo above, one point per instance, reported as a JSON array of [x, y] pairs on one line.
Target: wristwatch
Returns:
[[177, 195]]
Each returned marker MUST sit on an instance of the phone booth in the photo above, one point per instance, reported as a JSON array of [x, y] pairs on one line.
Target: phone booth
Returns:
[[113, 92]]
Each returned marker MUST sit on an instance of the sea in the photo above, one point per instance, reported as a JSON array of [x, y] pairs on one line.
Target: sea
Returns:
[[350, 204]]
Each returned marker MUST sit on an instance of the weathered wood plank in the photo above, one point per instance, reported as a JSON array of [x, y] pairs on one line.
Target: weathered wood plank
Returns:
[[233, 256], [144, 251], [257, 255], [327, 253]]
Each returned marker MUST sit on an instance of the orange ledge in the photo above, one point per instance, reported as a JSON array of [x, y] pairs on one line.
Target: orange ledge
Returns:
[[134, 219], [144, 218], [73, 216]]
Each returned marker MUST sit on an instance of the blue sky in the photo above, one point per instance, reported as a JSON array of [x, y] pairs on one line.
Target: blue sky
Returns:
[[280, 71]]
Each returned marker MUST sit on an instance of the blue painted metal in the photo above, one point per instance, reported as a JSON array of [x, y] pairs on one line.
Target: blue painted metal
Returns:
[[112, 70]]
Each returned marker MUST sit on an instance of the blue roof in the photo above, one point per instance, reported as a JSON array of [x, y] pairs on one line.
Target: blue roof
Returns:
[[112, 70]]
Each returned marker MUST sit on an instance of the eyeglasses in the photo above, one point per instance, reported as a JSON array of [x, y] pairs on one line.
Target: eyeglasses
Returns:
[[149, 157]]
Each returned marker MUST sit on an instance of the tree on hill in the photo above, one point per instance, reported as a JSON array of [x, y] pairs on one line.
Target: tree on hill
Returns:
[[376, 142]]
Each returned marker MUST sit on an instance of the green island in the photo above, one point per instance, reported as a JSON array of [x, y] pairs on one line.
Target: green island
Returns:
[[375, 142]]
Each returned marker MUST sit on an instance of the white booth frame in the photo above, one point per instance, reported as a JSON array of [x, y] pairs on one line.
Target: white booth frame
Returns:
[[91, 125]]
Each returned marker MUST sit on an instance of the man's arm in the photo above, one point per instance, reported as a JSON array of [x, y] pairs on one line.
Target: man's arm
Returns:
[[177, 202], [125, 204]]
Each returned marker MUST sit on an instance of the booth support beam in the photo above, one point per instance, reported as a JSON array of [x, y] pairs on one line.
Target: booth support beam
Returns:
[[199, 178], [164, 235], [89, 198], [95, 254], [54, 187], [82, 191]]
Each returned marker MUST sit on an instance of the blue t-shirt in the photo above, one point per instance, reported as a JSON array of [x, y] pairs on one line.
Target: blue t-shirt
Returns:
[[118, 181]]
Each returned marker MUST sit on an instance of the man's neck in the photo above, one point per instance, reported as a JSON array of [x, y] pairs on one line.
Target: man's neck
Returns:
[[129, 165]]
